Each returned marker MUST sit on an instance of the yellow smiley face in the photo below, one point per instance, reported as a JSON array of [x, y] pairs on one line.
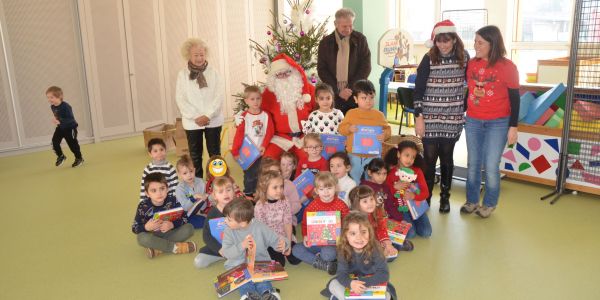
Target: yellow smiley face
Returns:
[[217, 167]]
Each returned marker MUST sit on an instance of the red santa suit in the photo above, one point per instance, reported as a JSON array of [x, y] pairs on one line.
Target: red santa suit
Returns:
[[288, 126]]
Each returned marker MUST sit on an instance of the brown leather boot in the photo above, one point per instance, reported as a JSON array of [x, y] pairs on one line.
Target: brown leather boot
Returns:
[[186, 247], [152, 253]]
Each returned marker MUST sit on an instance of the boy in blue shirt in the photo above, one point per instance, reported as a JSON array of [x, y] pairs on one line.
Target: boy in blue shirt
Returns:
[[66, 126]]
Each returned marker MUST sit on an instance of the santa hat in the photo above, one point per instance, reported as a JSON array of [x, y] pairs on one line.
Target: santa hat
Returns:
[[284, 62], [445, 26]]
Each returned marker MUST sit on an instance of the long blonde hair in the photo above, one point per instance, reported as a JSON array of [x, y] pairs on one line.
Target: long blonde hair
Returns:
[[263, 185], [372, 248]]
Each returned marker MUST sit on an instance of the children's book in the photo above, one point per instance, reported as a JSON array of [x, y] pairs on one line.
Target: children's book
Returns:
[[371, 292], [365, 140], [199, 207], [232, 280], [217, 225], [251, 255], [323, 227], [397, 231], [304, 183], [417, 208], [169, 214], [332, 143], [268, 271], [249, 153]]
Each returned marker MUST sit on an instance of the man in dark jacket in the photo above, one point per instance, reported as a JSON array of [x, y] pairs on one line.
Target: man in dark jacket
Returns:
[[344, 58]]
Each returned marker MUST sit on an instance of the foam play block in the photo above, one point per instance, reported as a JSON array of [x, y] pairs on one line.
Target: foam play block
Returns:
[[588, 111], [547, 115], [556, 121], [542, 103], [526, 100]]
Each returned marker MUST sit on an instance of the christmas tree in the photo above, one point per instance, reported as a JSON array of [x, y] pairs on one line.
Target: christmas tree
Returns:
[[297, 35]]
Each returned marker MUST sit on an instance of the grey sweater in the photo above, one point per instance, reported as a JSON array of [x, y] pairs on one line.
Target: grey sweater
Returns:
[[263, 236], [376, 269]]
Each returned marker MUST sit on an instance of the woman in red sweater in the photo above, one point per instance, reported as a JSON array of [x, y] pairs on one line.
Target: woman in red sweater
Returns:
[[492, 117]]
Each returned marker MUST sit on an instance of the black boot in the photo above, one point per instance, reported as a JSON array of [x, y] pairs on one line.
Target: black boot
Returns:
[[445, 185]]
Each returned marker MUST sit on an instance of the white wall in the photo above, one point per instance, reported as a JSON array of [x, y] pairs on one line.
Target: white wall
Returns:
[[116, 60]]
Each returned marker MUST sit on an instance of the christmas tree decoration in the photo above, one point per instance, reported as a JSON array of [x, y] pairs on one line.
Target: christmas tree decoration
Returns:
[[297, 35]]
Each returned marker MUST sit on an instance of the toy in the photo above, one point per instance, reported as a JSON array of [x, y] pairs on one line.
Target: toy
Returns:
[[406, 175]]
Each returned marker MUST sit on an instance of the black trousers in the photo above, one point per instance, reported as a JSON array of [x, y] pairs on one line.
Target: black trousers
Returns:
[[251, 178], [70, 135], [345, 105], [196, 145], [279, 257], [432, 150]]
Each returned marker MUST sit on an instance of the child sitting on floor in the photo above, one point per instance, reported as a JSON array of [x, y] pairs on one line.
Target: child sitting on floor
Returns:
[[222, 193], [157, 149], [243, 233], [321, 257], [156, 235], [190, 192], [275, 211], [361, 262]]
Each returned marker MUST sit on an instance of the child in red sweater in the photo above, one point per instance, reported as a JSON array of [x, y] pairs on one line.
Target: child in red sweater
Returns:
[[362, 198], [406, 155], [314, 161], [327, 200], [258, 126]]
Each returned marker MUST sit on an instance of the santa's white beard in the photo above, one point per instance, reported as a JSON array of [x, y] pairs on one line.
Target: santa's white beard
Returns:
[[288, 91]]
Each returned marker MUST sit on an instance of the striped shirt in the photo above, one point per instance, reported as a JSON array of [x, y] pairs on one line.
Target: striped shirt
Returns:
[[440, 96], [167, 169]]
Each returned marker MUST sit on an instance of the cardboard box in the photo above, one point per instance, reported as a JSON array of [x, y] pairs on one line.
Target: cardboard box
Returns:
[[181, 143], [166, 132], [181, 147]]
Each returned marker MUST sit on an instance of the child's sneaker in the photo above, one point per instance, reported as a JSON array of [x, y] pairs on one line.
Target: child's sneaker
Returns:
[[251, 296], [78, 162], [186, 247], [59, 160], [319, 263], [485, 211], [469, 207], [332, 267], [152, 253], [271, 295], [407, 246]]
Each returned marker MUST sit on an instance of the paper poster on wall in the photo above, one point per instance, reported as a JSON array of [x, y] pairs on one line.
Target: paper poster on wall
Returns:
[[395, 48]]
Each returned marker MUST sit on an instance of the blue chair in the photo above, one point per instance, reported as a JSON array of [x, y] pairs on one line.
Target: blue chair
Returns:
[[405, 99]]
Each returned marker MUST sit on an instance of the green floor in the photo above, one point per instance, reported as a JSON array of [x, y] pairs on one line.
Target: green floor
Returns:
[[66, 235]]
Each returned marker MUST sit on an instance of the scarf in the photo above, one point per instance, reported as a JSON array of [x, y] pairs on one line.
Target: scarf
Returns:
[[343, 57], [197, 73]]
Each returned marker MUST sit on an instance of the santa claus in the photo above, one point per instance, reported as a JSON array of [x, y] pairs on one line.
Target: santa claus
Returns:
[[289, 99]]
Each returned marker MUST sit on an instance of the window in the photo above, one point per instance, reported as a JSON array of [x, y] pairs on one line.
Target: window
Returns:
[[544, 21], [527, 60], [467, 22], [542, 31], [461, 5], [418, 18]]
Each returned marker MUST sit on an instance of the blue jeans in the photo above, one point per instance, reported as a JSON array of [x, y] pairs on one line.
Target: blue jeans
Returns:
[[259, 288], [308, 255], [420, 226], [358, 166], [486, 140]]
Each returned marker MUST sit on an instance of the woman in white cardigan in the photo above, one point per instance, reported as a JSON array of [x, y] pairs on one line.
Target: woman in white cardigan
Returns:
[[200, 97]]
